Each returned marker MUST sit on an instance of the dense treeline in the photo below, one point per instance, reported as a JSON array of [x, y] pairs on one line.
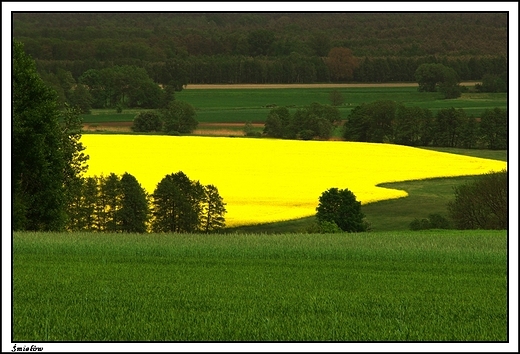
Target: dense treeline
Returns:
[[119, 204], [389, 122], [267, 47], [314, 121]]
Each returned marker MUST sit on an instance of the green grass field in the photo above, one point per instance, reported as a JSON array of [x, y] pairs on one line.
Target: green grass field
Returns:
[[242, 105], [393, 286]]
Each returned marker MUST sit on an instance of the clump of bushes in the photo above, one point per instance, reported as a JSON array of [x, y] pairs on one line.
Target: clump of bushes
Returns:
[[434, 221], [481, 204], [250, 131], [147, 122], [177, 118], [323, 227]]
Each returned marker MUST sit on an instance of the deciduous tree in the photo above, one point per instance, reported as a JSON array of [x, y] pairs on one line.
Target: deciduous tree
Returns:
[[148, 121], [433, 77], [341, 63], [481, 204], [340, 206], [179, 117], [493, 129]]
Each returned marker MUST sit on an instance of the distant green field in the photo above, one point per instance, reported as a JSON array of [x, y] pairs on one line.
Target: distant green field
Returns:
[[242, 105], [394, 286]]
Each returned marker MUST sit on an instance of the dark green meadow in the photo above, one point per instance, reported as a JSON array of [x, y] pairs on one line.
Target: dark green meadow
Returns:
[[387, 286], [243, 105]]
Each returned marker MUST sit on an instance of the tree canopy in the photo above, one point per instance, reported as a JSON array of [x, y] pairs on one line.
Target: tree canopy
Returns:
[[182, 205], [38, 159], [182, 48], [340, 206]]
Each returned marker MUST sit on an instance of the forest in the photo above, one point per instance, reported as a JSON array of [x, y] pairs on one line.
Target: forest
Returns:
[[204, 48]]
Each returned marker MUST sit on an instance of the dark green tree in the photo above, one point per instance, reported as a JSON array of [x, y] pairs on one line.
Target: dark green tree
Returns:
[[434, 221], [110, 188], [433, 77], [124, 86], [412, 126], [134, 213], [336, 98], [260, 42], [429, 76], [320, 43], [95, 82], [148, 121], [450, 84], [341, 207], [83, 206], [177, 204], [493, 83], [277, 123], [90, 194], [213, 210], [75, 158], [481, 204], [372, 122], [38, 160], [448, 126], [407, 126], [82, 99], [316, 118], [167, 96], [493, 129], [468, 133], [357, 125], [174, 74], [179, 117]]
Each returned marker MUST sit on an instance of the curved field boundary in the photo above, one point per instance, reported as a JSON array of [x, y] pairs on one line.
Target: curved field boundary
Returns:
[[284, 86]]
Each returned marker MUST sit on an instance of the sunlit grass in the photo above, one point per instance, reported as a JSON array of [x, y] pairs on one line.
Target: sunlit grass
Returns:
[[265, 180], [396, 286]]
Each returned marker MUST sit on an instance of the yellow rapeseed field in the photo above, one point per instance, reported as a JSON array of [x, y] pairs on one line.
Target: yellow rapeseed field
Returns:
[[265, 180]]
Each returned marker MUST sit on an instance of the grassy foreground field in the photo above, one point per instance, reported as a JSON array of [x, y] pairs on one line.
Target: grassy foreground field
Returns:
[[395, 286]]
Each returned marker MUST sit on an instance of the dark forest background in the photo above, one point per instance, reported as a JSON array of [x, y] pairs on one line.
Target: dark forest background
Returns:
[[183, 48]]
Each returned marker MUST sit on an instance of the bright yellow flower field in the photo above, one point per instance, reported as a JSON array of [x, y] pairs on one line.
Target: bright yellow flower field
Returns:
[[265, 180]]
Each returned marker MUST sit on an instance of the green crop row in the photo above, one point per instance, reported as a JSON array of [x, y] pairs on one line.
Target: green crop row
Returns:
[[242, 105], [396, 286]]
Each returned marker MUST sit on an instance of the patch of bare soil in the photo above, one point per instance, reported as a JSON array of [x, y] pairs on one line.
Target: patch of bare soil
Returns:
[[241, 124], [211, 129], [108, 126]]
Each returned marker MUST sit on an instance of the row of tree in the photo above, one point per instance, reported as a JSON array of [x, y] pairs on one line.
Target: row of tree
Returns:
[[389, 122], [154, 86], [338, 65], [314, 121], [177, 118], [119, 204]]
